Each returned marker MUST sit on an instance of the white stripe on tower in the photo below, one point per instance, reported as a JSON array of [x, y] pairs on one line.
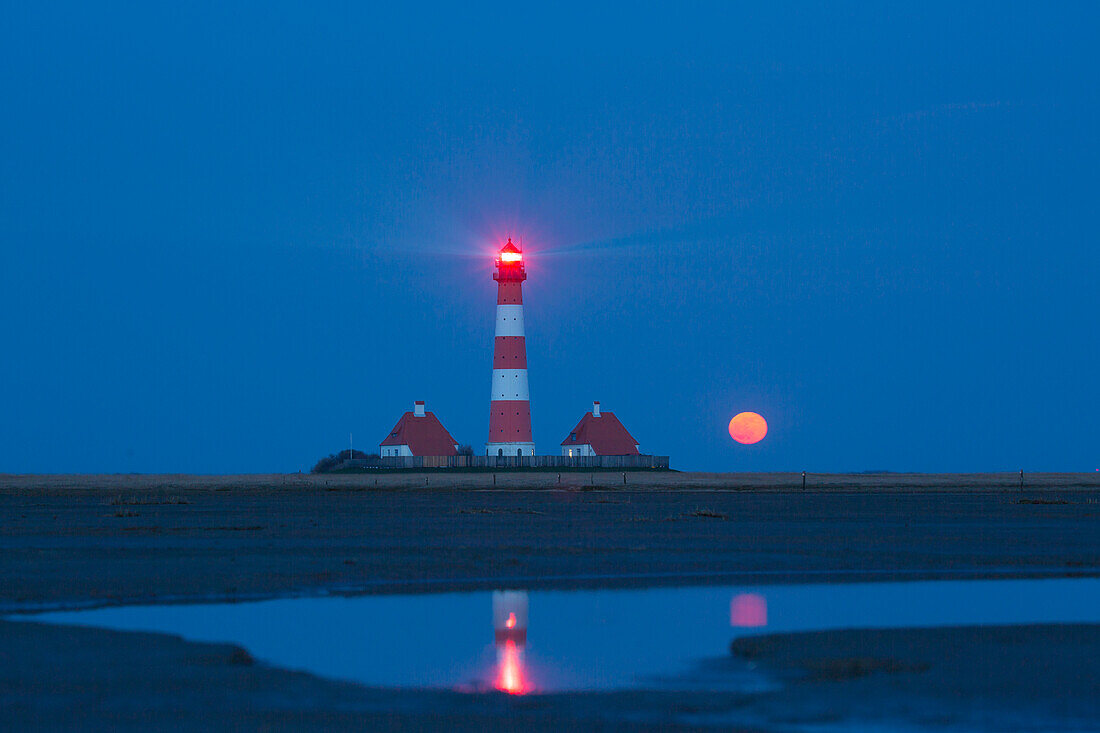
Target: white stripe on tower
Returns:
[[510, 320], [510, 384]]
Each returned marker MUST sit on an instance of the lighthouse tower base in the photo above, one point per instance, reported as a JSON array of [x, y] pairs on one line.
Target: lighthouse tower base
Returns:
[[509, 449]]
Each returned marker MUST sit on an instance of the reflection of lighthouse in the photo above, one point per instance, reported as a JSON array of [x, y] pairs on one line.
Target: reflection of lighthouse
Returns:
[[510, 637], [510, 403]]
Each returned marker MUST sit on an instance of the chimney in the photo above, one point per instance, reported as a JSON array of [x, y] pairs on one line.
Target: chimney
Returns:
[[418, 408], [595, 409]]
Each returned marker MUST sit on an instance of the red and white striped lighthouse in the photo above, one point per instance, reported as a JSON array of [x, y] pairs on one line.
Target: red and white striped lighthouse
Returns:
[[510, 403]]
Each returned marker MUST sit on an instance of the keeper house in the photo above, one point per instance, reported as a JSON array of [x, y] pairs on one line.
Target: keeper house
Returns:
[[599, 434], [418, 433]]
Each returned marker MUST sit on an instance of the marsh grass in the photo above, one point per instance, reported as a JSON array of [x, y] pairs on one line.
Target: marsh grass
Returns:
[[708, 514]]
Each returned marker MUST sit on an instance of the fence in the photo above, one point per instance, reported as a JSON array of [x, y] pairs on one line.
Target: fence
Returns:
[[405, 462]]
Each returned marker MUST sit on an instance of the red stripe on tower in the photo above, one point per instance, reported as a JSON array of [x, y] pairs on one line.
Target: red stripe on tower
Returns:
[[510, 403], [509, 352]]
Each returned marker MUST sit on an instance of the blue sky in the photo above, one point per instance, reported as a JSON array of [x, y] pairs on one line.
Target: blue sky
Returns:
[[232, 234]]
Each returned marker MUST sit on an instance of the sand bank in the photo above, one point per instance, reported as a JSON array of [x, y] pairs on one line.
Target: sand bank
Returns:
[[979, 678]]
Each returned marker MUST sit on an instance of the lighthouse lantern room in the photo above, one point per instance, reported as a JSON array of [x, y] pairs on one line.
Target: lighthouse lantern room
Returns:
[[510, 402]]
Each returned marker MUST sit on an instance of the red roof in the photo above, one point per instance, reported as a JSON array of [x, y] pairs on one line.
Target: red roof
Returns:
[[605, 434], [425, 436]]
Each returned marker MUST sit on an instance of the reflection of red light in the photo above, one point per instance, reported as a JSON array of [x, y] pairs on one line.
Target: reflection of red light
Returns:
[[748, 610], [511, 622], [510, 676]]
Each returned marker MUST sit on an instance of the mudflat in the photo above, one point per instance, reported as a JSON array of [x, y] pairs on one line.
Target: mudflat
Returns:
[[80, 540], [72, 541]]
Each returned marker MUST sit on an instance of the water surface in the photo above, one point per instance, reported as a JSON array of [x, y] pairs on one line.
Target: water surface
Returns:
[[546, 641]]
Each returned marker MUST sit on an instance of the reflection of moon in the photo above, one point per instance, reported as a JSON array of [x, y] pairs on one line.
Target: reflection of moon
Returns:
[[748, 428], [748, 610]]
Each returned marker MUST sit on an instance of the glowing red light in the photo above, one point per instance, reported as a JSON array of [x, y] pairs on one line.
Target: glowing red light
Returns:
[[748, 610], [509, 254], [511, 622], [510, 676]]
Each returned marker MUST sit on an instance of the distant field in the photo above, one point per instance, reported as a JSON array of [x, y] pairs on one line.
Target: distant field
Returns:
[[573, 479]]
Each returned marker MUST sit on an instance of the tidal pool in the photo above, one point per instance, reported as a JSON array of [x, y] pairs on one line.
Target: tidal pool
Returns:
[[550, 641]]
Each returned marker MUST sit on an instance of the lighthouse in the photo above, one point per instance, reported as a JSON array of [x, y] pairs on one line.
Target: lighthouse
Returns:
[[510, 402]]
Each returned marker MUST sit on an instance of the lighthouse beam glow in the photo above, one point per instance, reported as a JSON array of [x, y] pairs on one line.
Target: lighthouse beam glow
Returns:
[[510, 401]]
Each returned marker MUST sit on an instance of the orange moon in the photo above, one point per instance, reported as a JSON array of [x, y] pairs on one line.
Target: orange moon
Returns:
[[748, 428]]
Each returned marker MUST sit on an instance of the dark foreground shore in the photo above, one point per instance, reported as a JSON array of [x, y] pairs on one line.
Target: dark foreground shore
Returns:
[[75, 541]]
